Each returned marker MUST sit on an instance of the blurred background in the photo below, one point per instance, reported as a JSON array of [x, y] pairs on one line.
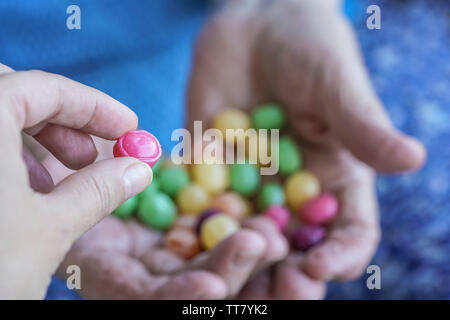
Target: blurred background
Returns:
[[409, 63]]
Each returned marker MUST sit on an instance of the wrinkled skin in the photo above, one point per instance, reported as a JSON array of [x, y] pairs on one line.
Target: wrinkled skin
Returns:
[[302, 54], [124, 260]]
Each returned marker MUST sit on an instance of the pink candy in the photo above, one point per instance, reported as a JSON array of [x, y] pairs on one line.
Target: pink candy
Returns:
[[138, 144], [320, 210], [279, 214]]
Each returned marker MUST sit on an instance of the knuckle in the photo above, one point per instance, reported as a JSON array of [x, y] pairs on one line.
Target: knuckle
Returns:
[[16, 90], [101, 192], [51, 80]]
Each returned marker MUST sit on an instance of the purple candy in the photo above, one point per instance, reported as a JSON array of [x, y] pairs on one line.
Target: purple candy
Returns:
[[305, 237], [203, 216]]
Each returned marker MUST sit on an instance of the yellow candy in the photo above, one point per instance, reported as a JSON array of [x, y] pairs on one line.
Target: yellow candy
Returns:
[[217, 228], [214, 178], [300, 187], [231, 119], [192, 199]]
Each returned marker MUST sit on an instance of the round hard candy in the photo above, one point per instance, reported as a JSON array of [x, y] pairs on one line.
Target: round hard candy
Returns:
[[268, 116], [232, 119], [244, 178], [279, 214], [305, 237], [138, 144], [157, 211], [300, 187], [270, 194], [217, 228], [319, 210], [183, 242], [214, 178], [172, 180], [193, 199], [127, 208], [230, 203], [289, 156]]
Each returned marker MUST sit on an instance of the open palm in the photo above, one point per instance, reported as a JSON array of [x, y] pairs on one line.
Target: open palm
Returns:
[[304, 55]]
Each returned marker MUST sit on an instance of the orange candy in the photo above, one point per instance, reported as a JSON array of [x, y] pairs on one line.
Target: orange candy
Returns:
[[231, 204], [183, 242]]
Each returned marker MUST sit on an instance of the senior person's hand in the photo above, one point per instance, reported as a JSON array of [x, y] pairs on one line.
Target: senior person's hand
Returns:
[[125, 260], [304, 55], [37, 229]]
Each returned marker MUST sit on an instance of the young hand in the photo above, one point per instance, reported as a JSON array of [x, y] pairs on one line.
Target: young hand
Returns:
[[38, 229]]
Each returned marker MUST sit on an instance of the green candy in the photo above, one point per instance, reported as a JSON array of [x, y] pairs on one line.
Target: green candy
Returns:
[[289, 156], [244, 178], [151, 189], [157, 211], [157, 166], [270, 194], [268, 116], [127, 208], [172, 180]]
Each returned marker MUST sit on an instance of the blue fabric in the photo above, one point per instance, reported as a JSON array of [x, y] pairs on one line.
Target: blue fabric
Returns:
[[136, 51], [409, 62], [139, 52]]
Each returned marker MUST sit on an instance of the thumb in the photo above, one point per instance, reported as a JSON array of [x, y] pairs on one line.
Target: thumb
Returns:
[[87, 196], [359, 121], [377, 143]]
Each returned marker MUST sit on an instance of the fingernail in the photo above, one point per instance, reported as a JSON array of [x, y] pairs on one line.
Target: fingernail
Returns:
[[136, 178]]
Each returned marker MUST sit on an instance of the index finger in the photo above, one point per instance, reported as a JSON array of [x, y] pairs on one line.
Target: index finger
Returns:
[[33, 97]]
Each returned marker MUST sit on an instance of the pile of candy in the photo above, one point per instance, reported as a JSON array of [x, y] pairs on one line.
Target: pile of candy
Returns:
[[199, 205]]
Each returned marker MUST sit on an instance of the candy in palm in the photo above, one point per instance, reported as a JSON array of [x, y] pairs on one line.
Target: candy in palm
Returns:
[[200, 205]]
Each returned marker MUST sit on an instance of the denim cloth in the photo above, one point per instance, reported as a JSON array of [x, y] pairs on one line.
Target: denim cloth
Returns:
[[139, 52]]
